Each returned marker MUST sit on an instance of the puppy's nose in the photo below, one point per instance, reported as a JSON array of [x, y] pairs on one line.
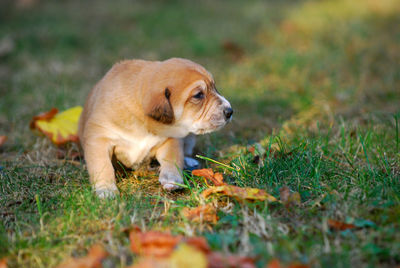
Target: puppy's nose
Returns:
[[228, 113]]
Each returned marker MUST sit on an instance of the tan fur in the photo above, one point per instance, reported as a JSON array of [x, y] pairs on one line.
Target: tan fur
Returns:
[[141, 109]]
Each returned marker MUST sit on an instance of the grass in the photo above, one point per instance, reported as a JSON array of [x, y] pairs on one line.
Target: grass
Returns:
[[315, 83]]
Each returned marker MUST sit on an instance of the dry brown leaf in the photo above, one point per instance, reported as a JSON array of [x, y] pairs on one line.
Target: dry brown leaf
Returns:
[[92, 260], [217, 260], [2, 140], [216, 178], [233, 49], [289, 199], [240, 193], [284, 193], [3, 263], [338, 225], [205, 213], [294, 199]]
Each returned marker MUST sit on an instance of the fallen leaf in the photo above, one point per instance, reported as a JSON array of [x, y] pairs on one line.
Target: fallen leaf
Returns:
[[3, 263], [234, 50], [184, 256], [92, 260], [179, 251], [205, 213], [298, 265], [240, 193], [188, 256], [338, 225], [217, 260], [289, 199], [207, 173], [150, 262], [153, 243], [294, 199], [58, 127], [284, 193], [2, 140], [198, 242], [275, 263], [216, 178]]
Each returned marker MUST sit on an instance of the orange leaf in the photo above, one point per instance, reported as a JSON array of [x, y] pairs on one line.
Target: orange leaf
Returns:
[[92, 260], [298, 265], [206, 213], [240, 193], [338, 225], [216, 178], [217, 260], [159, 249], [199, 243], [207, 173], [274, 263], [3, 263], [59, 127], [153, 243], [2, 140]]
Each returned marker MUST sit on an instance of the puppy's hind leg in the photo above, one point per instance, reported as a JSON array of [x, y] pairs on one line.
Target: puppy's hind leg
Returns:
[[189, 143], [170, 157], [98, 155]]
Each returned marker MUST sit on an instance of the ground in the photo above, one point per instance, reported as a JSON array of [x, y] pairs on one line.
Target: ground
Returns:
[[314, 84]]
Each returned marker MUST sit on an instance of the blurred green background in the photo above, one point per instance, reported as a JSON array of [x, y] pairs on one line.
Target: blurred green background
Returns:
[[273, 60]]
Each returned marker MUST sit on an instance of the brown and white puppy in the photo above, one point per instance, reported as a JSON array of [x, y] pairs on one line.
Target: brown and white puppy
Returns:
[[142, 109]]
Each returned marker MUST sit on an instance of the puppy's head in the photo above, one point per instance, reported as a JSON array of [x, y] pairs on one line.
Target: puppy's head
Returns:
[[180, 98]]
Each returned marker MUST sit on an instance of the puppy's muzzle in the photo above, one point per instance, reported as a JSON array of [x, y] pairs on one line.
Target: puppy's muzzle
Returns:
[[228, 113]]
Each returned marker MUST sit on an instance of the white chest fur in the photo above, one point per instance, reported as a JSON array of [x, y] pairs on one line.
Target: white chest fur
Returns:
[[131, 149]]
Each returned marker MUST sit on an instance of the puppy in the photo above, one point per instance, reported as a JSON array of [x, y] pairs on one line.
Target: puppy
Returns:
[[142, 109]]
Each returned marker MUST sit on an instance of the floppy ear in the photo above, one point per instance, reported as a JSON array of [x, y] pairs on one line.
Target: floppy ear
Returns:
[[160, 108]]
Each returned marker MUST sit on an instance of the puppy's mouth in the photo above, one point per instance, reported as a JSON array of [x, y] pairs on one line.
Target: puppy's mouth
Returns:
[[215, 123]]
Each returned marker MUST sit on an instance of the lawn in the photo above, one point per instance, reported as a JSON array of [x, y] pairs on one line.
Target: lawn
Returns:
[[315, 86]]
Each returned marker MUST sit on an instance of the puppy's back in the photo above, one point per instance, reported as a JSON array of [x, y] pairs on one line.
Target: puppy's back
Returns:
[[112, 82]]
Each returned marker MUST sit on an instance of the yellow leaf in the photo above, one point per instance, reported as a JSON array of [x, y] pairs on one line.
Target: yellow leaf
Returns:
[[59, 127], [188, 256], [240, 193]]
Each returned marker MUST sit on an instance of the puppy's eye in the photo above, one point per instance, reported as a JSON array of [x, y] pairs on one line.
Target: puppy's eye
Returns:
[[199, 95]]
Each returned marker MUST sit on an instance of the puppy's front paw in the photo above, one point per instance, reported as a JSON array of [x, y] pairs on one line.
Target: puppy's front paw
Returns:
[[106, 191], [169, 177]]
